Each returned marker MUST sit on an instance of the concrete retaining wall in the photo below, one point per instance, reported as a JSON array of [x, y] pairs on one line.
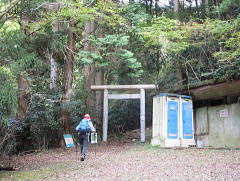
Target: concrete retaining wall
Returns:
[[218, 126]]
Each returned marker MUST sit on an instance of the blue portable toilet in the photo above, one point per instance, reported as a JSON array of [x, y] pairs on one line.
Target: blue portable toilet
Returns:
[[186, 121], [172, 121]]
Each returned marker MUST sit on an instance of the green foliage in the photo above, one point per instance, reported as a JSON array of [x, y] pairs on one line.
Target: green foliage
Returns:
[[10, 45], [169, 40], [42, 120], [9, 26], [123, 116], [8, 91], [29, 8], [166, 34], [18, 51], [205, 50], [111, 55], [135, 15], [227, 34], [229, 7], [110, 14]]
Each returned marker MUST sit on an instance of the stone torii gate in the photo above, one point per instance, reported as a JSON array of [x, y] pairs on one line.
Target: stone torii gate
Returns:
[[107, 96]]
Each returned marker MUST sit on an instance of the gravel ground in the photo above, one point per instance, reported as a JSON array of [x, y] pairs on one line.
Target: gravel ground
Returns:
[[127, 161], [141, 162]]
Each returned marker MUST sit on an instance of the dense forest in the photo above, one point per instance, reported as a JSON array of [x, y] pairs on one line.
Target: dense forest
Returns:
[[52, 51]]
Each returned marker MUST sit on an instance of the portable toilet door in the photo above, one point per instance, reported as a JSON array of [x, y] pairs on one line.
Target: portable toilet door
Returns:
[[187, 128], [172, 126]]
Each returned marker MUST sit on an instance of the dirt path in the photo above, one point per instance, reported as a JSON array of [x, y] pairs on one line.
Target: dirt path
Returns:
[[124, 161]]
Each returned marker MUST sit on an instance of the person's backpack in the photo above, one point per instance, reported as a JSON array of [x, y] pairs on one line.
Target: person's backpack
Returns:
[[84, 126]]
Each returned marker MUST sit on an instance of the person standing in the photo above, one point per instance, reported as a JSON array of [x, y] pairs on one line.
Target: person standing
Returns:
[[84, 128]]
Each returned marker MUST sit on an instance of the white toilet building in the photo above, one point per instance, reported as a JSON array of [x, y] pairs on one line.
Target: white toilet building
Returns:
[[172, 121]]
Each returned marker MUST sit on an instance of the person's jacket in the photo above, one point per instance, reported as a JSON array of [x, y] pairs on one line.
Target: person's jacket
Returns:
[[90, 125]]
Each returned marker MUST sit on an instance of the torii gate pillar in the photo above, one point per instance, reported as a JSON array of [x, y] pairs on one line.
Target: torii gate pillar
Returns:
[[142, 114], [105, 115], [107, 96]]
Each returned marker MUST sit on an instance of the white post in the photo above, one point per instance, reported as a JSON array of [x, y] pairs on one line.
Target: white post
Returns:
[[142, 114], [105, 115]]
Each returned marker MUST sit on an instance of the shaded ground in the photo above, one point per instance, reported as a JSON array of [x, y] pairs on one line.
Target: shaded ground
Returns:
[[128, 161]]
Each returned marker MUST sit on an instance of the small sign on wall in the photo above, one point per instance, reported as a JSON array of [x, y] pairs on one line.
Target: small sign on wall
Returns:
[[223, 113]]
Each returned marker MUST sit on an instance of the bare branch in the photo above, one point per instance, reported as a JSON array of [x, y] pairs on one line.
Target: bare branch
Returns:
[[89, 4], [193, 71], [47, 5]]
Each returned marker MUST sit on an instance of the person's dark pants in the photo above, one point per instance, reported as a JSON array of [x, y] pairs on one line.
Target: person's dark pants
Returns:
[[83, 140]]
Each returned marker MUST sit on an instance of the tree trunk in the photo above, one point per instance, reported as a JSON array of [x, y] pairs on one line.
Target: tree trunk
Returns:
[[53, 61], [196, 4], [54, 72], [176, 6], [22, 83], [22, 97], [215, 2], [68, 78], [98, 113], [88, 69], [178, 65], [205, 5], [99, 80]]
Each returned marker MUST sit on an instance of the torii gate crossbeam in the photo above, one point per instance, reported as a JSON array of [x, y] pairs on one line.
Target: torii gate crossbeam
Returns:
[[107, 96]]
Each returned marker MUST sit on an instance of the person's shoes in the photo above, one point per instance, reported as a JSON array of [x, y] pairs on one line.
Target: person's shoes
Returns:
[[82, 158]]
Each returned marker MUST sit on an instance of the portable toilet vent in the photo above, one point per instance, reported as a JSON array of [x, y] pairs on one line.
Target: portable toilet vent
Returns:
[[172, 121]]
